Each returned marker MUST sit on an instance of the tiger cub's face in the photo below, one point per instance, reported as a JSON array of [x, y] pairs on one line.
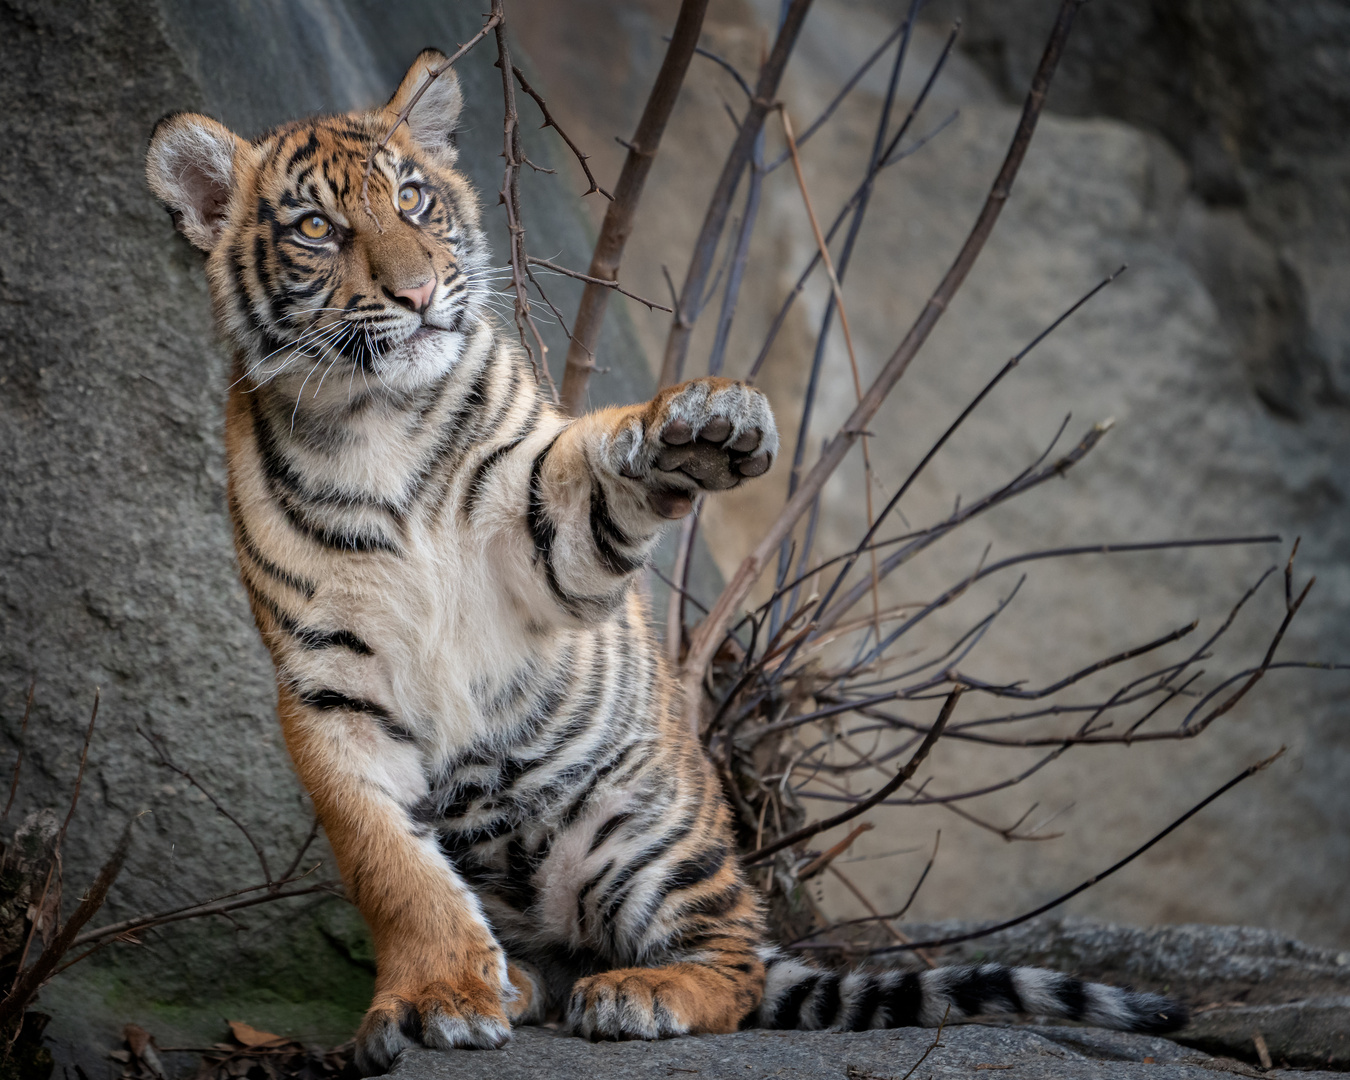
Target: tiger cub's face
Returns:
[[315, 275]]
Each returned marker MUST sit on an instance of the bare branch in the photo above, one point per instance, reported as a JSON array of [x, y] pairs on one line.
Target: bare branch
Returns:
[[956, 939], [618, 223], [156, 744], [550, 122], [719, 205], [709, 634], [652, 304], [892, 785]]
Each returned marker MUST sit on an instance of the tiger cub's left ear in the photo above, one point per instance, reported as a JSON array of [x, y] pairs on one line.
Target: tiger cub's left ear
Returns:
[[192, 166], [434, 118]]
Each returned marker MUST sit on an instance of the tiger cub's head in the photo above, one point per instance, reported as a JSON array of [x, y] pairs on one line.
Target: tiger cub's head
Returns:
[[316, 266]]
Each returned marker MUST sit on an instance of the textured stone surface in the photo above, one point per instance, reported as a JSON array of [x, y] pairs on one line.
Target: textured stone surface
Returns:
[[969, 1050]]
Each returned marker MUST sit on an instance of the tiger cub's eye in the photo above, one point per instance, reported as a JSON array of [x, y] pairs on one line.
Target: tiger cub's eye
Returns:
[[315, 226], [409, 198]]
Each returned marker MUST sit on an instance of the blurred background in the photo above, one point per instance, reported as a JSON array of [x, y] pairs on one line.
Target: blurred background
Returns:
[[1203, 144]]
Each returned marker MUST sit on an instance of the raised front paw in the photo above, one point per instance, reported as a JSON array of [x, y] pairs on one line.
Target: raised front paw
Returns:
[[633, 1003], [705, 435], [468, 1012]]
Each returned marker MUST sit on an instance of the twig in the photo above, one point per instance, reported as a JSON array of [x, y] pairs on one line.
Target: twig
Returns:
[[651, 304], [719, 205], [493, 20], [168, 763], [218, 906], [937, 1041], [618, 223], [808, 831], [18, 761], [956, 939], [550, 122], [510, 198], [709, 633], [29, 981], [824, 860], [837, 291], [310, 837]]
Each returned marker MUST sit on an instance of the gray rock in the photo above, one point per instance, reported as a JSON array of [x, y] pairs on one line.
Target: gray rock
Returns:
[[1019, 1053]]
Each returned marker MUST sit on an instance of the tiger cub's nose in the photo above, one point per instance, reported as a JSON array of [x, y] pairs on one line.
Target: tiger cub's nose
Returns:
[[417, 298]]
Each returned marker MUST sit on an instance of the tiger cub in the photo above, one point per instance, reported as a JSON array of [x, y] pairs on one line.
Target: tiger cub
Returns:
[[442, 566]]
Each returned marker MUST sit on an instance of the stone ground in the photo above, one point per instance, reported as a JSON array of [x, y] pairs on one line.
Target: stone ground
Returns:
[[1062, 1053]]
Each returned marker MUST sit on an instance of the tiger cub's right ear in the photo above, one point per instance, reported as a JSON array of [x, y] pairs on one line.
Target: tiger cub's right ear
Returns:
[[191, 168]]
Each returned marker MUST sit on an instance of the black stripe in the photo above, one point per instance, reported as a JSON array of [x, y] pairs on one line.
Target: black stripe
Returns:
[[827, 1004], [608, 537], [327, 700], [788, 1012], [266, 565], [695, 869], [618, 888], [285, 487], [606, 831], [1072, 997], [866, 1005], [979, 988], [310, 637], [478, 481], [904, 1001]]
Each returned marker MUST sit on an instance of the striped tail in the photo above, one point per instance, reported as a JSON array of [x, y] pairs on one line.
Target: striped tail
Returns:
[[799, 996]]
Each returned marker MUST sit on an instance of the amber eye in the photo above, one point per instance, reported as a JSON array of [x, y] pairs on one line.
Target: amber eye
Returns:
[[315, 226], [410, 198]]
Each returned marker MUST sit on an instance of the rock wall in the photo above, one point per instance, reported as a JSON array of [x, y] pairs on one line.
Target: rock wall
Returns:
[[116, 567]]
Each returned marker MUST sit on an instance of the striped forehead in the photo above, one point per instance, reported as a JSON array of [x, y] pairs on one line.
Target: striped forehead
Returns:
[[322, 163]]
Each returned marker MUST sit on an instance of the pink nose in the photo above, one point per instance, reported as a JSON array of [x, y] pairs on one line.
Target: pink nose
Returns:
[[420, 296]]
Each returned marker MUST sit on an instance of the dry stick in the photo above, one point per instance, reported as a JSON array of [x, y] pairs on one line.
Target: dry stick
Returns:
[[705, 247], [550, 122], [913, 894], [709, 633], [18, 761], [956, 939], [510, 198], [618, 223], [861, 897], [173, 766], [823, 861], [407, 109], [29, 982], [53, 871], [300, 854], [197, 911], [892, 785], [937, 1041], [838, 292], [651, 304]]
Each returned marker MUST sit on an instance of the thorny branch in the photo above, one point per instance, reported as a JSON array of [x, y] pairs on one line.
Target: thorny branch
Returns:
[[550, 122], [492, 23]]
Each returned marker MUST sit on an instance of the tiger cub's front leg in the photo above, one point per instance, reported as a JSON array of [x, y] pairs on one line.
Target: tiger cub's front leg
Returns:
[[441, 978], [602, 490]]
